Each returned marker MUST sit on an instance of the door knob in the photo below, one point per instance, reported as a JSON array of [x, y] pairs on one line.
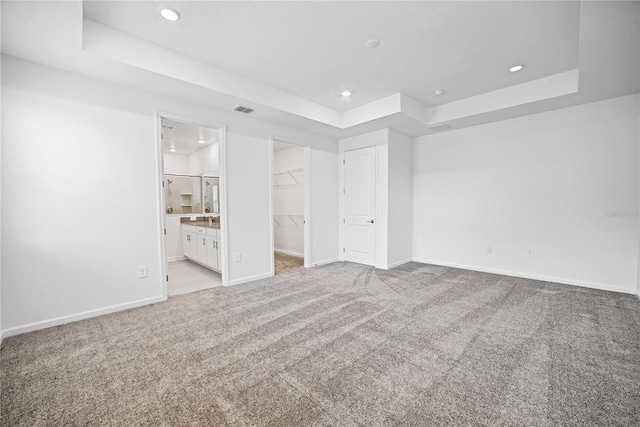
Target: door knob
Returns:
[[370, 221]]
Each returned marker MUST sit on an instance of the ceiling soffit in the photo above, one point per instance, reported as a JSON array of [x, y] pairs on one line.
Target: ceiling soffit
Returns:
[[115, 45]]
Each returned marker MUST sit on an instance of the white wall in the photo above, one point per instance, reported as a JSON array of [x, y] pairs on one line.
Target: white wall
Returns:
[[1, 330], [248, 197], [323, 173], [177, 164], [205, 161], [289, 158], [86, 155], [288, 202], [545, 182], [400, 198]]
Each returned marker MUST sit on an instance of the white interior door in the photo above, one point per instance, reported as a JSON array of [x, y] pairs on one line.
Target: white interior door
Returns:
[[360, 205]]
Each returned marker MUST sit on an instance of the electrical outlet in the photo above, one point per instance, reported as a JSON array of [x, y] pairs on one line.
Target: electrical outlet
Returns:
[[238, 256], [529, 252], [316, 245], [489, 250], [142, 272]]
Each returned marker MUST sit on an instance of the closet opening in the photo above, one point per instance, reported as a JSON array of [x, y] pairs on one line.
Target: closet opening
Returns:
[[289, 205]]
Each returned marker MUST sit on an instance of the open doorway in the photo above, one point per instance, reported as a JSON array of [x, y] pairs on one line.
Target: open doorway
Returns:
[[191, 196], [290, 184]]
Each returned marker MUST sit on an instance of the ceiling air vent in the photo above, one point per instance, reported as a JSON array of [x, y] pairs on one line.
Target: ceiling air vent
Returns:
[[242, 109], [441, 128]]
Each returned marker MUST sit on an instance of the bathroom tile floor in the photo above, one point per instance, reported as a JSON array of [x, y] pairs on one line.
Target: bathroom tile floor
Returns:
[[186, 276]]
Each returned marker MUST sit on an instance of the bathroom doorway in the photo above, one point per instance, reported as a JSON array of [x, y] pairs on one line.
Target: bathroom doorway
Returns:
[[191, 205], [290, 186]]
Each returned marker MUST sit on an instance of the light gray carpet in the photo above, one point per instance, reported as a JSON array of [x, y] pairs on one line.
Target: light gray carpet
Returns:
[[340, 345], [286, 263]]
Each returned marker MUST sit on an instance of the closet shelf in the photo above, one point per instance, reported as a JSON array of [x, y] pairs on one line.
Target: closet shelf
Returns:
[[286, 220], [289, 178], [289, 171]]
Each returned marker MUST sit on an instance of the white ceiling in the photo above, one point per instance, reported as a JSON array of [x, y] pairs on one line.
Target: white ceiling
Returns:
[[317, 49], [289, 60], [184, 136]]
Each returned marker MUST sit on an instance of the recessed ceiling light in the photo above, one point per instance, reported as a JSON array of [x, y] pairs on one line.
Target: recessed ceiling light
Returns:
[[438, 92], [169, 14], [172, 149], [516, 68], [346, 93], [373, 43], [201, 141]]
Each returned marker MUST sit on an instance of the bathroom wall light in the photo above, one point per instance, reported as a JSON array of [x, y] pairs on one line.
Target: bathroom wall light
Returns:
[[169, 14]]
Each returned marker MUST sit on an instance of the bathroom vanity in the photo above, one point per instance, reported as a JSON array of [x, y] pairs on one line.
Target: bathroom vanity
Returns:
[[201, 243]]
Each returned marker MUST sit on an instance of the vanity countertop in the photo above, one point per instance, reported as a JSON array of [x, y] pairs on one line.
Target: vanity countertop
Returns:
[[203, 224]]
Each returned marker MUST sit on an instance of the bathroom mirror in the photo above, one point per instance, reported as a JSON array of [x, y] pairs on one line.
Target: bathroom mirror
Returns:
[[211, 194]]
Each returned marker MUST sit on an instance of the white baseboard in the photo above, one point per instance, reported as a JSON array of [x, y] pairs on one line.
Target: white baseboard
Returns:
[[396, 264], [249, 279], [295, 254], [176, 258], [30, 327], [560, 280], [324, 262], [392, 265]]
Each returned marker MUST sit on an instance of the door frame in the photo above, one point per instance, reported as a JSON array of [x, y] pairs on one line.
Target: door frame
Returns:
[[379, 140], [342, 203], [307, 201], [222, 149]]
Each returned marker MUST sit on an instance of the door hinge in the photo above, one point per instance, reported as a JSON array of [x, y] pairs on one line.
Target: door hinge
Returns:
[[343, 161], [343, 221], [343, 250], [162, 184], [167, 277], [344, 191]]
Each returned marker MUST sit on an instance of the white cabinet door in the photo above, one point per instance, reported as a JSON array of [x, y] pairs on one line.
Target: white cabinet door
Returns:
[[193, 243], [202, 248], [212, 252], [186, 244], [219, 251]]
